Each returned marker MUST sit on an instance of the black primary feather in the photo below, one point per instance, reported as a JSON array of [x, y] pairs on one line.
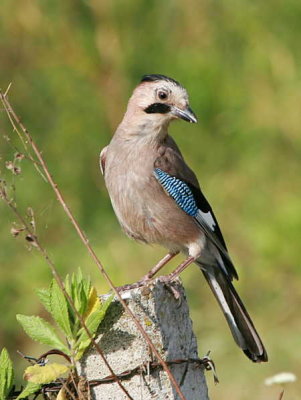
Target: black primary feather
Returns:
[[239, 321], [215, 235], [190, 199]]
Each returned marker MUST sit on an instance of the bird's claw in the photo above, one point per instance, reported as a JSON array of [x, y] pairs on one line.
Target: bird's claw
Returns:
[[135, 285], [146, 281]]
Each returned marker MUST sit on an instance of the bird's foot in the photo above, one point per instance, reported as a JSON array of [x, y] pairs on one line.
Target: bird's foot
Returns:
[[148, 278], [146, 281], [143, 282], [167, 279]]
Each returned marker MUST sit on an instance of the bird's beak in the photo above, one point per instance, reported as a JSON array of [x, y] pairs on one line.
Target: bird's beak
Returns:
[[187, 114]]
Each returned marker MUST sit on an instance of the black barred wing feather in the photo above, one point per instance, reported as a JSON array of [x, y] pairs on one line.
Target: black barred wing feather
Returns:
[[192, 201], [178, 190]]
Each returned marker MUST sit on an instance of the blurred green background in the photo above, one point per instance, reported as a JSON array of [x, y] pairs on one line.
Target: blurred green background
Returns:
[[73, 65]]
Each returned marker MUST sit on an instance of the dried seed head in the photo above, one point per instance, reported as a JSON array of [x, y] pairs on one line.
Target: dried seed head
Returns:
[[12, 167], [19, 156], [15, 231]]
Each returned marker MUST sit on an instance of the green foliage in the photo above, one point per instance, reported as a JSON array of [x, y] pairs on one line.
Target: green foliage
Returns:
[[29, 389], [90, 309], [87, 304], [41, 331], [92, 321], [6, 374], [79, 291], [44, 297], [59, 309]]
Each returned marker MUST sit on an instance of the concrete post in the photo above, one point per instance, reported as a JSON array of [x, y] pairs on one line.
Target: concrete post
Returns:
[[166, 320]]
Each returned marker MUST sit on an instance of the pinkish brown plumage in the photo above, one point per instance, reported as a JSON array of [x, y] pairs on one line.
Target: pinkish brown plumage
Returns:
[[157, 199]]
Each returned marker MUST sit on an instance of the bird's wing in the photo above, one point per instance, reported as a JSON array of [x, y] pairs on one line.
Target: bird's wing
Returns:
[[180, 183], [102, 159]]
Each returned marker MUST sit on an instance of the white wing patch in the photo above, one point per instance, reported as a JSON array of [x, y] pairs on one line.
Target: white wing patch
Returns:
[[208, 218]]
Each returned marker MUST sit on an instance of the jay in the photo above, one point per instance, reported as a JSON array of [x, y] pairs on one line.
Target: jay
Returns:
[[157, 199]]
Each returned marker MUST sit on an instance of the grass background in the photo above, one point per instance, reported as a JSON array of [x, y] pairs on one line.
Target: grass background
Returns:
[[73, 65]]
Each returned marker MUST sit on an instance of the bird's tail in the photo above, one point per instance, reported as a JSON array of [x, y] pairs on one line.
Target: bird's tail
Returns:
[[240, 323]]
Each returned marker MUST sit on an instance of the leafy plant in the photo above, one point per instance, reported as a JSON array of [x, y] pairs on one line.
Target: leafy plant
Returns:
[[87, 304], [30, 388], [75, 338], [6, 374]]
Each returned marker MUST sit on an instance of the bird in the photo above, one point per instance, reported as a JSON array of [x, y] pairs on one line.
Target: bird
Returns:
[[158, 200]]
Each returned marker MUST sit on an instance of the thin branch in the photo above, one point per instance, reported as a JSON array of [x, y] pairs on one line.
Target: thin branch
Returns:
[[7, 90], [26, 156], [15, 120]]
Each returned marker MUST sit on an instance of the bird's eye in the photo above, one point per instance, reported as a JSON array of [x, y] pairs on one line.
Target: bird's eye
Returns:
[[162, 95]]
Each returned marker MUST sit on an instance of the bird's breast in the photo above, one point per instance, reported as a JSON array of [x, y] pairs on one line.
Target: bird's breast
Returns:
[[129, 181], [142, 207]]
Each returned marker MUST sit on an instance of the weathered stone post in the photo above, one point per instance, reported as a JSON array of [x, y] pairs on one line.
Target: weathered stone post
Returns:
[[166, 320]]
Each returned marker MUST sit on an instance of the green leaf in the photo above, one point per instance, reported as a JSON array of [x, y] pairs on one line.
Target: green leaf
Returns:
[[78, 289], [45, 374], [59, 308], [29, 389], [44, 296], [81, 290], [67, 284], [75, 290], [86, 287], [6, 374], [41, 331], [82, 298], [92, 322]]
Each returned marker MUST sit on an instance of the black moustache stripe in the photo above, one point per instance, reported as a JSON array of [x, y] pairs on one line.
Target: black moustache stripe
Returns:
[[157, 108]]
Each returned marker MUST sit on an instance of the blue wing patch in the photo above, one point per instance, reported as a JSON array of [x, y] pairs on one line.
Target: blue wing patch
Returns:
[[178, 190], [187, 200]]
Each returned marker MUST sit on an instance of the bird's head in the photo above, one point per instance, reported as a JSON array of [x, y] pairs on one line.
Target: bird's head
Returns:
[[162, 99]]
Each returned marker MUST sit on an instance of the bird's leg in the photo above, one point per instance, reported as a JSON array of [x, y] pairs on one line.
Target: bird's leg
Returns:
[[144, 280], [158, 266], [171, 277]]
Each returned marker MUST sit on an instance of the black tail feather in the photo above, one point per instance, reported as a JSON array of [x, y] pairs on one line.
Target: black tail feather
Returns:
[[239, 321]]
